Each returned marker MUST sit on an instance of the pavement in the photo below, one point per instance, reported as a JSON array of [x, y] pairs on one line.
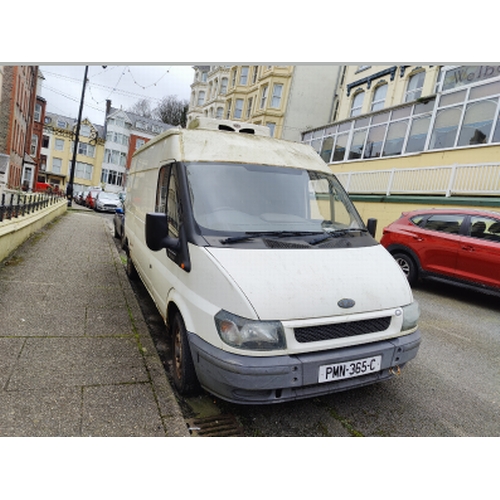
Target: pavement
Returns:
[[76, 357]]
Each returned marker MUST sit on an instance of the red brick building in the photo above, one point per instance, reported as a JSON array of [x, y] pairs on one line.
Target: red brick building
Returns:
[[17, 107]]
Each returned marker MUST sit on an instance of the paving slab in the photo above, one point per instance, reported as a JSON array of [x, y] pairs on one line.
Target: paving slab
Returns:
[[76, 357]]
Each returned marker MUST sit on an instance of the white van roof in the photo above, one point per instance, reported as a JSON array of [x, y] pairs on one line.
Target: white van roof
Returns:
[[207, 142]]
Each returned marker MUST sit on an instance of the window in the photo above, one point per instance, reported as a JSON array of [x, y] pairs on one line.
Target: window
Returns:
[[167, 199], [223, 86], [357, 103], [272, 128], [244, 75], [61, 124], [83, 171], [139, 143], [447, 223], [326, 149], [38, 112], [201, 97], [340, 147], [263, 97], [395, 138], [255, 72], [59, 144], [358, 141], [415, 85], [249, 107], [477, 122], [86, 149], [85, 131], [56, 165], [219, 112], [379, 97], [485, 228], [375, 141], [418, 134], [238, 108], [445, 128], [34, 145], [45, 141], [276, 98]]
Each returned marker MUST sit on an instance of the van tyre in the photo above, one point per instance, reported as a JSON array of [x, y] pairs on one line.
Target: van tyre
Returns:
[[408, 266], [183, 372]]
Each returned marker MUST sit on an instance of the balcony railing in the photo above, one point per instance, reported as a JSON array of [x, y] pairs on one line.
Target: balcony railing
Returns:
[[13, 205], [459, 180]]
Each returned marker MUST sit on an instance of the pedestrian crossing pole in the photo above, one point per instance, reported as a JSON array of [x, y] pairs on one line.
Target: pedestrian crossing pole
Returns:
[[69, 190]]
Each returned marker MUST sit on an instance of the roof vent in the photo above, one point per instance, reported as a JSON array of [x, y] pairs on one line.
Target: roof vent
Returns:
[[203, 123]]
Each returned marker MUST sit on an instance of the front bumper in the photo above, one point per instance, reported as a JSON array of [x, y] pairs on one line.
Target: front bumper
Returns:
[[276, 379]]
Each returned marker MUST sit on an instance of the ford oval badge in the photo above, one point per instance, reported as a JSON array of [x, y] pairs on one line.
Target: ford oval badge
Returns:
[[346, 303]]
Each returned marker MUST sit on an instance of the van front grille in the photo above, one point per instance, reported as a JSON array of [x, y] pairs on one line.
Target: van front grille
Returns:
[[341, 330]]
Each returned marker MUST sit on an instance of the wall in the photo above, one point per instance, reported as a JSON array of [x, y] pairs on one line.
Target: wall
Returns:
[[15, 232]]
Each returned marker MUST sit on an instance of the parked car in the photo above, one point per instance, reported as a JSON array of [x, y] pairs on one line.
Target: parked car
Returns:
[[107, 202], [459, 246], [119, 225], [91, 196]]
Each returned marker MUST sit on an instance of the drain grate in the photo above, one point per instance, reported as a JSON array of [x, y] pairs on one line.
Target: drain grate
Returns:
[[215, 426]]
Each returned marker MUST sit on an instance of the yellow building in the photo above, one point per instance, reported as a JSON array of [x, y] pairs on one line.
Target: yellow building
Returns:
[[415, 135], [57, 150], [287, 99]]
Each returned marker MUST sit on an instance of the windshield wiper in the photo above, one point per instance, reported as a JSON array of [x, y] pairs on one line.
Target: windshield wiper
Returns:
[[337, 233], [266, 234]]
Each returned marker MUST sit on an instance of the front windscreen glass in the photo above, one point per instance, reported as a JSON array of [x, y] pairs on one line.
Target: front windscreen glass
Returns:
[[232, 199]]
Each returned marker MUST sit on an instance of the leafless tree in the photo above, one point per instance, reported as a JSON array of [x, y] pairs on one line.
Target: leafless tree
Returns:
[[142, 108], [172, 110]]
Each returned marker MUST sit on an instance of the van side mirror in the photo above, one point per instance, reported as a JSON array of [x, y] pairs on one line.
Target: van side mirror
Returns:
[[157, 233], [371, 225]]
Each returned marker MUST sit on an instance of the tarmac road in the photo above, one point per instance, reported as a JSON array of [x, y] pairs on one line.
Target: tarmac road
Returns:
[[452, 387]]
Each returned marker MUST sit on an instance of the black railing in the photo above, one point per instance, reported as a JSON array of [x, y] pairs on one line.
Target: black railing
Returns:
[[13, 205]]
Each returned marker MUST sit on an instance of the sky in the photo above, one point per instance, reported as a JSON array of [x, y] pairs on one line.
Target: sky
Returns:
[[123, 85]]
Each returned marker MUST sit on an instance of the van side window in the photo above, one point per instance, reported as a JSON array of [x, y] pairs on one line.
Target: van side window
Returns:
[[167, 200], [161, 194], [173, 213]]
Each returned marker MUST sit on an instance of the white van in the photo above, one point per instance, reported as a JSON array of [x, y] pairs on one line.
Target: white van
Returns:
[[271, 286]]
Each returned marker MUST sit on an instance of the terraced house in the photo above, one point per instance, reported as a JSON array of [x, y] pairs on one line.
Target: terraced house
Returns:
[[57, 148], [287, 99], [404, 136]]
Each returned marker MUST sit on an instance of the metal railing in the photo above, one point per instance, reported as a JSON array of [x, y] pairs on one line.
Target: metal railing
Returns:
[[471, 179], [13, 205]]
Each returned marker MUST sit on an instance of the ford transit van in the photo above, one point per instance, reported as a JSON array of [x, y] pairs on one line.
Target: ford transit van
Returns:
[[271, 286]]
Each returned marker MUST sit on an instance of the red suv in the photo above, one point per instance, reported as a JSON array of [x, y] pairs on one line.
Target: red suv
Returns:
[[461, 246]]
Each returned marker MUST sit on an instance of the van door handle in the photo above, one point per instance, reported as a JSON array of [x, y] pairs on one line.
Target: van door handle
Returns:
[[418, 238], [468, 248]]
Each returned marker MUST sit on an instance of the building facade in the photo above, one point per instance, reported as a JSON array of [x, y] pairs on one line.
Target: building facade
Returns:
[[57, 152], [208, 92], [416, 115], [287, 99], [17, 105], [125, 132], [407, 136]]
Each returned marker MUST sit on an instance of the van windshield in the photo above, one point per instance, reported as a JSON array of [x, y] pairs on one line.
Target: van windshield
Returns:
[[234, 199]]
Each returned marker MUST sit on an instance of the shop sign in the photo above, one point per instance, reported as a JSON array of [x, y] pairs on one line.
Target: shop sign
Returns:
[[466, 75]]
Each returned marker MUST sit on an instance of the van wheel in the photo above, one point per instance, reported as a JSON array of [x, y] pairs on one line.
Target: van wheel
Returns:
[[130, 269], [408, 266], [184, 375]]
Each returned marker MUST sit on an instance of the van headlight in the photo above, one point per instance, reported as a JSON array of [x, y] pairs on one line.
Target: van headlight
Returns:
[[411, 314], [249, 334]]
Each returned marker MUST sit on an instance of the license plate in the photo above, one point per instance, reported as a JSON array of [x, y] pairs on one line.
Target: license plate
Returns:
[[349, 369]]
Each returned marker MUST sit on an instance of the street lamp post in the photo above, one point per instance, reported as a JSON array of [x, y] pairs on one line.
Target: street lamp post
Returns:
[[69, 191]]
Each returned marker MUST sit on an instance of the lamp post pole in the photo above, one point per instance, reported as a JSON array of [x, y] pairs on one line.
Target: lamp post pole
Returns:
[[69, 190]]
